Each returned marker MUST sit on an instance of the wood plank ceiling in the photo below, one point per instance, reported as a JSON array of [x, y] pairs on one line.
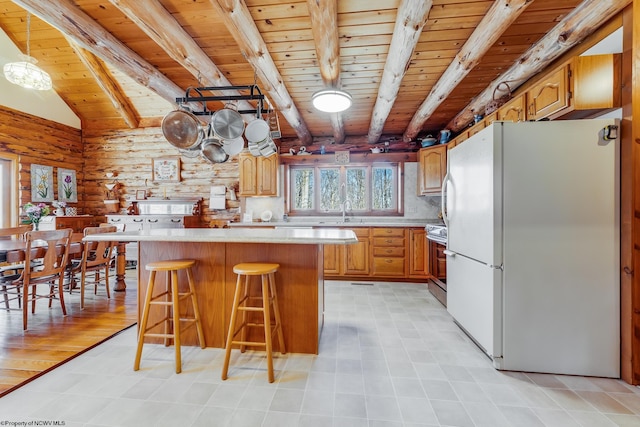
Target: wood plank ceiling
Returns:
[[413, 67]]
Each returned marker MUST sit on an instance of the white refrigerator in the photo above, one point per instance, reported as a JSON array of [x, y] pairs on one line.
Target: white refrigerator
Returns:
[[532, 210]]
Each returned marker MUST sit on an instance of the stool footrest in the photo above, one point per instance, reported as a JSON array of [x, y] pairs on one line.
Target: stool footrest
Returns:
[[159, 335], [250, 309], [249, 343]]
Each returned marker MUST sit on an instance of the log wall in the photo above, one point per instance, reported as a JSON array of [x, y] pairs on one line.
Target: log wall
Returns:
[[128, 153], [43, 142]]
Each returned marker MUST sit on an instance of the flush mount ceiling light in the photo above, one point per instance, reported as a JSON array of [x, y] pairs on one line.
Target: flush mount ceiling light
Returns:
[[331, 100], [26, 73]]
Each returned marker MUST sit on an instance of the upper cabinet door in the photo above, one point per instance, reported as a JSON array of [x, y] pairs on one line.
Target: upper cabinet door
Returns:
[[550, 95], [432, 167], [513, 111], [258, 175]]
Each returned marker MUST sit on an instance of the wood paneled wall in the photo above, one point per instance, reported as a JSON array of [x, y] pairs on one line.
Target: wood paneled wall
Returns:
[[128, 153], [43, 142]]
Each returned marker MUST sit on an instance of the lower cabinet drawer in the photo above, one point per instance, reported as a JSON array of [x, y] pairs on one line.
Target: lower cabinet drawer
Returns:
[[388, 241], [389, 251], [388, 266]]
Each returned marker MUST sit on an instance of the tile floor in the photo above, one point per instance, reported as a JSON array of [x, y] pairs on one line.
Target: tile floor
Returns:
[[390, 356]]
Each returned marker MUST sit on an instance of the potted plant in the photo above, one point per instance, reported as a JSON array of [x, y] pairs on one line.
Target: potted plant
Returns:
[[35, 213]]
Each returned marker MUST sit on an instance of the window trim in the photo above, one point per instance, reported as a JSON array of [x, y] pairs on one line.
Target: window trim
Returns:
[[399, 179], [11, 190]]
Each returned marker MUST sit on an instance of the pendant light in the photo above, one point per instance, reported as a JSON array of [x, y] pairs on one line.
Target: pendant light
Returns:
[[331, 100], [26, 73]]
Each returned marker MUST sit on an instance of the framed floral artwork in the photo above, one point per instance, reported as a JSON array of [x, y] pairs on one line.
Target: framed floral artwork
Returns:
[[67, 186], [166, 169], [41, 183]]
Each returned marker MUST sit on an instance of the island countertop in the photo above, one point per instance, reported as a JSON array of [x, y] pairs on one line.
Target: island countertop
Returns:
[[299, 279], [288, 235]]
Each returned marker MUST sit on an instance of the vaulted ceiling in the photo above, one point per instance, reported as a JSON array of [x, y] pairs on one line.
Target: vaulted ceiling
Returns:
[[412, 66]]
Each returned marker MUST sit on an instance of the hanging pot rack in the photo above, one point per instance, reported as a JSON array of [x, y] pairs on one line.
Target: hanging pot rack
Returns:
[[254, 94]]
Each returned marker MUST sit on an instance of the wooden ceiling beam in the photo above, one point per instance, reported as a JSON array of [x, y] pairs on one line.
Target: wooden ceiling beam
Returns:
[[157, 23], [497, 20], [108, 84], [236, 17], [324, 27], [85, 32], [582, 21], [411, 18]]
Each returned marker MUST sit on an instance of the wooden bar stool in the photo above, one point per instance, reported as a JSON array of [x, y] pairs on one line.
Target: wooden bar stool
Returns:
[[170, 300], [241, 301]]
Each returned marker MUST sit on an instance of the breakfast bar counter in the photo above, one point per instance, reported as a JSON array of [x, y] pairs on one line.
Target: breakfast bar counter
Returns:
[[300, 281]]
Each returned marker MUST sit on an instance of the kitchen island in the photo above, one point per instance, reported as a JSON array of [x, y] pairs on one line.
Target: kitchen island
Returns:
[[300, 279]]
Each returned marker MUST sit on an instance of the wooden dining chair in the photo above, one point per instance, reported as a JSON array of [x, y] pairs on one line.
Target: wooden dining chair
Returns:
[[9, 272], [46, 254], [95, 262]]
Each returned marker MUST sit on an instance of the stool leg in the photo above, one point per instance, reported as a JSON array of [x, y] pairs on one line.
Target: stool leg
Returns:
[[245, 314], [167, 309], [276, 312], [196, 310], [176, 319], [232, 326], [267, 324], [145, 317]]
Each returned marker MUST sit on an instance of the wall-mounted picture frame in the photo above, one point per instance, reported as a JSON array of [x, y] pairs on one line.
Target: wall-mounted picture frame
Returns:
[[41, 183], [67, 185], [141, 194], [166, 169]]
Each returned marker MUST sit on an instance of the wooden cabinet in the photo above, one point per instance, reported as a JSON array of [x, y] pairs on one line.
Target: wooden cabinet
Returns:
[[258, 175], [394, 253], [418, 253], [356, 256], [550, 95], [349, 260], [389, 252], [513, 111], [586, 86], [596, 83], [332, 260], [432, 167], [76, 223]]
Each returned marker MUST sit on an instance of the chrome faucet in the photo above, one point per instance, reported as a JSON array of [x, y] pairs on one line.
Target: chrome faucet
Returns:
[[346, 203]]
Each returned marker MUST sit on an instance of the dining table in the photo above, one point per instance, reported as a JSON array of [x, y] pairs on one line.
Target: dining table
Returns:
[[14, 250]]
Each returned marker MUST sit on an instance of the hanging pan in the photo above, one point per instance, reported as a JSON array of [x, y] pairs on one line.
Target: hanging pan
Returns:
[[227, 123], [182, 129], [212, 149]]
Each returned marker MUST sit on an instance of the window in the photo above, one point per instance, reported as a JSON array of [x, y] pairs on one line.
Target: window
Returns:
[[8, 190], [362, 189]]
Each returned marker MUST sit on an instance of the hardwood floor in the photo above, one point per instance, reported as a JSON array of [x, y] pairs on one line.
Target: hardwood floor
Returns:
[[52, 338]]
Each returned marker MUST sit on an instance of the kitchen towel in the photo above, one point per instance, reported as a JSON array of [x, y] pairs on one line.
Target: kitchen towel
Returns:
[[217, 197]]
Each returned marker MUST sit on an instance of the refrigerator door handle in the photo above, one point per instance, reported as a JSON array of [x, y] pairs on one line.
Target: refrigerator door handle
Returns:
[[443, 206], [451, 253]]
